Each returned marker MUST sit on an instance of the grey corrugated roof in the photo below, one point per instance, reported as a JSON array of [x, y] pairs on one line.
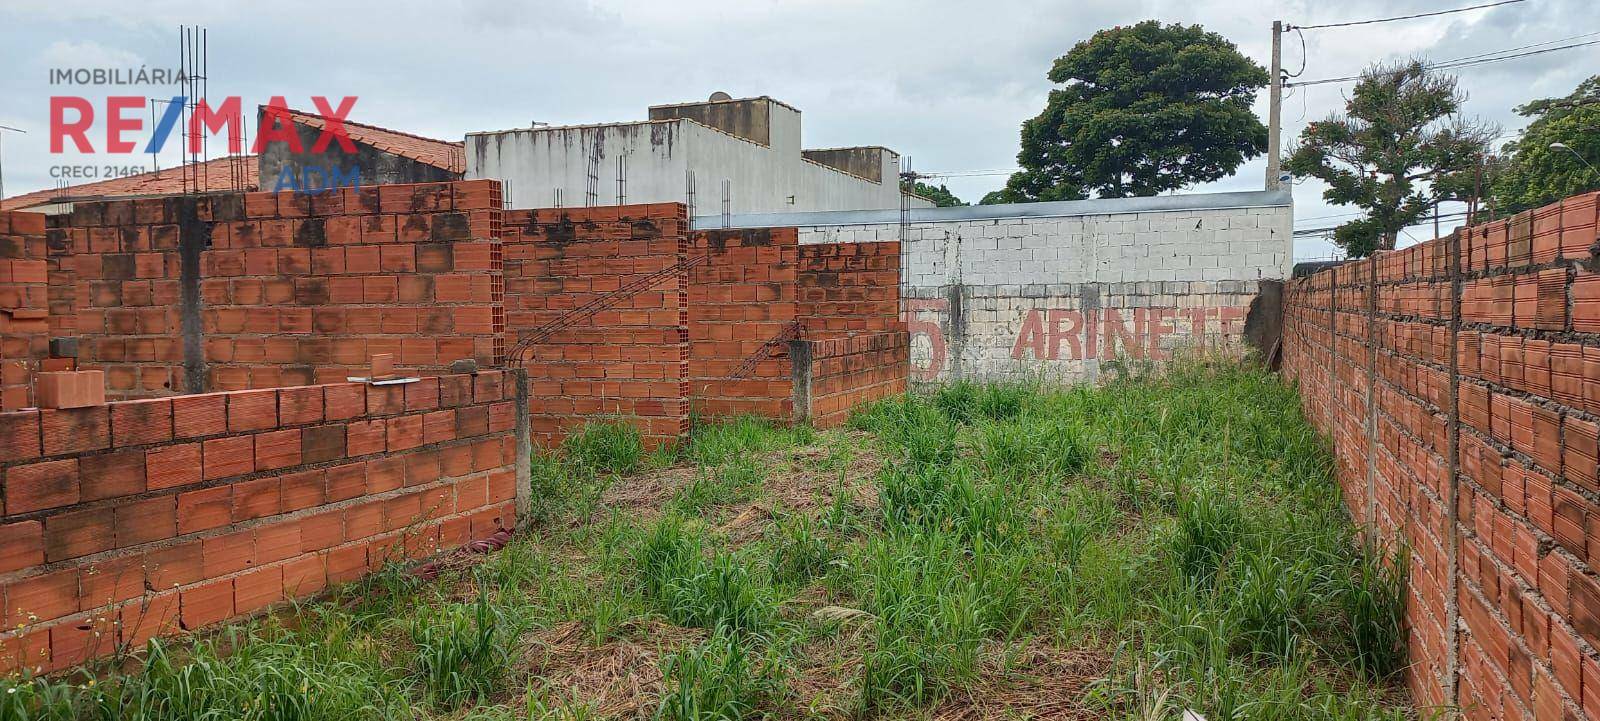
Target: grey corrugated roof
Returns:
[[1064, 208]]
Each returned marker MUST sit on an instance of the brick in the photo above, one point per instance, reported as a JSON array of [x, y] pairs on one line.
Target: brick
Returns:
[[111, 580], [41, 597], [172, 466], [205, 509], [228, 456], [228, 553], [404, 432], [277, 449], [256, 498], [37, 486], [207, 603], [364, 437], [19, 435], [277, 541], [75, 430], [302, 490], [252, 410], [175, 565], [144, 521], [346, 481], [21, 545], [139, 422], [304, 576], [322, 443], [257, 589], [300, 405], [199, 415], [111, 475]]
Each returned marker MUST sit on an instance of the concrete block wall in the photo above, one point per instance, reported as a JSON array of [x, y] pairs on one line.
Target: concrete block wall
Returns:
[[981, 285], [24, 306], [256, 290], [150, 517], [630, 359], [1459, 381]]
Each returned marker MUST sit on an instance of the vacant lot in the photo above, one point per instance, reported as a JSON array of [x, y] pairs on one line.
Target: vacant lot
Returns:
[[978, 553]]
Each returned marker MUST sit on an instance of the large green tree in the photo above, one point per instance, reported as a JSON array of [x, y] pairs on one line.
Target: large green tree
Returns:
[[1535, 174], [1142, 110], [1395, 153]]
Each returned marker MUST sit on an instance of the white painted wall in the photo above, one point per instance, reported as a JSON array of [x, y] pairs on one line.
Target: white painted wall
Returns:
[[658, 155], [1062, 290]]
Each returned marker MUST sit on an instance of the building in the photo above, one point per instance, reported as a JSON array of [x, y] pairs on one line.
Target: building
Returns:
[[722, 156]]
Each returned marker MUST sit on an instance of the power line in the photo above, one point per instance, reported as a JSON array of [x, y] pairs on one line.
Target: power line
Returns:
[[1404, 17], [1468, 61]]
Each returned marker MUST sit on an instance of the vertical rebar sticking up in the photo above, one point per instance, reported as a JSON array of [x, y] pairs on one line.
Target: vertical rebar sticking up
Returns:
[[507, 189], [727, 203], [591, 193], [622, 179], [688, 184], [155, 160], [193, 49], [558, 198], [905, 201]]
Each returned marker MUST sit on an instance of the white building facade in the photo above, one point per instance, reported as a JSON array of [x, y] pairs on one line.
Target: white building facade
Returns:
[[719, 157]]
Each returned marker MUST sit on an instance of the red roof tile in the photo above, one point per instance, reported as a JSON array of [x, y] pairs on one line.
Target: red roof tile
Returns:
[[214, 175], [441, 154]]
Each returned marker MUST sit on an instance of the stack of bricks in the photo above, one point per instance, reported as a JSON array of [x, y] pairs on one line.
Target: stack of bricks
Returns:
[[850, 287], [259, 290], [24, 306], [849, 371], [140, 518], [629, 359], [1460, 380], [742, 312]]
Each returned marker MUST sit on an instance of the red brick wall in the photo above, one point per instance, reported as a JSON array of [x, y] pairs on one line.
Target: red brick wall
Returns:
[[629, 360], [292, 289], [154, 516], [850, 287], [24, 306], [848, 371], [742, 298], [1460, 382]]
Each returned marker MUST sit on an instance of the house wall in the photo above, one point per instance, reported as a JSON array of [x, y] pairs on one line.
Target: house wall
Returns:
[[1459, 383], [759, 175], [1057, 290]]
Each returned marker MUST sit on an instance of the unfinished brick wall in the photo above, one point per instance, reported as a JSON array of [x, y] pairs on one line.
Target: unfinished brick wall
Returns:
[[24, 306], [847, 371], [850, 287], [1459, 380], [742, 311], [260, 290], [147, 517], [627, 360]]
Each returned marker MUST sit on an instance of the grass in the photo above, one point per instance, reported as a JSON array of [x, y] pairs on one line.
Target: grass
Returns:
[[1156, 544]]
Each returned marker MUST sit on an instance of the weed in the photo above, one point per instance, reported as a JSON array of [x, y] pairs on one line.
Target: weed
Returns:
[[614, 448], [462, 650], [716, 681]]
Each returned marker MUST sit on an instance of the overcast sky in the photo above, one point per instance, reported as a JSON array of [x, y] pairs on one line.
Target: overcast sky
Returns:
[[945, 82]]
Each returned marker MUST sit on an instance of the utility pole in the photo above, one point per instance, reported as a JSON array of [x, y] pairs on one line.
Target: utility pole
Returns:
[[4, 128], [1275, 109]]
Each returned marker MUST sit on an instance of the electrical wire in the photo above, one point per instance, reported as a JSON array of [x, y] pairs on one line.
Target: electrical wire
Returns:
[[1405, 17], [1464, 62], [1302, 69]]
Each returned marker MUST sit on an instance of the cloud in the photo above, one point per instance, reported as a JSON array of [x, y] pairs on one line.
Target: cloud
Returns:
[[947, 82]]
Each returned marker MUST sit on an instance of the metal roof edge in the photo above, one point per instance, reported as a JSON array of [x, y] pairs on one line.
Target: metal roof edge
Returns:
[[1063, 208]]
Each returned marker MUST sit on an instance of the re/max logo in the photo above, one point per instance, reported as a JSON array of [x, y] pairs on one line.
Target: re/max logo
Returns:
[[275, 124]]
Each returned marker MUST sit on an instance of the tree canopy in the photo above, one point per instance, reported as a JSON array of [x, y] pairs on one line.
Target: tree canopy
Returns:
[[1142, 109], [940, 195], [1391, 154], [1533, 173]]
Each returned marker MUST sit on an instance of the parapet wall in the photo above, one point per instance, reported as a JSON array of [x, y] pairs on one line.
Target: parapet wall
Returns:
[[150, 517], [1459, 382]]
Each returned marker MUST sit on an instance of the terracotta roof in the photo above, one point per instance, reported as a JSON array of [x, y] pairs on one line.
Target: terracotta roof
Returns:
[[441, 154], [215, 175]]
